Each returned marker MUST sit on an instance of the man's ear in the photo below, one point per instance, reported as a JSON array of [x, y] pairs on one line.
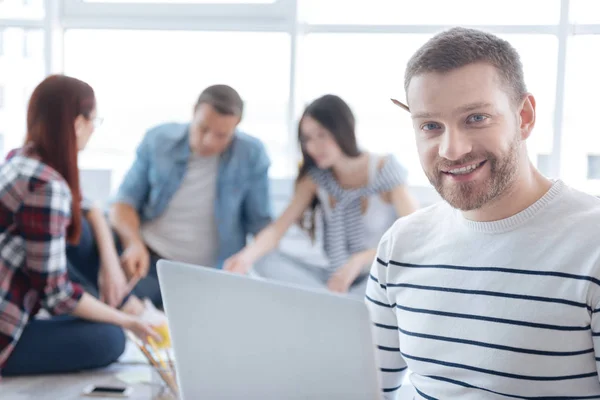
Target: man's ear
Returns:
[[527, 116]]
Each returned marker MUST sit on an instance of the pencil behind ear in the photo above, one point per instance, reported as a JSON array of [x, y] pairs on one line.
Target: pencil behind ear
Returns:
[[400, 104]]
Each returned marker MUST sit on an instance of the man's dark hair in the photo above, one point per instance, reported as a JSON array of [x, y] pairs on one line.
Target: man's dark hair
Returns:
[[458, 47], [225, 99]]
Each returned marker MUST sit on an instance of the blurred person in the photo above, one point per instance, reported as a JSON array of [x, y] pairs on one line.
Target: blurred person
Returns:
[[359, 196], [194, 192], [39, 215]]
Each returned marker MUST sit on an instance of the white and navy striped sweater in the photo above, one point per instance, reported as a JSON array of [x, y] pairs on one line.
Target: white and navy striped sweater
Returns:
[[492, 310]]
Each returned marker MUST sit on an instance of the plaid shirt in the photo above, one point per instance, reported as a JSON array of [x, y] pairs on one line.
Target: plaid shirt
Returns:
[[35, 210]]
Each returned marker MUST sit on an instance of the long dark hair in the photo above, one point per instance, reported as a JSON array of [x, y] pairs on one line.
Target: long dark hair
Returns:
[[53, 108], [333, 114]]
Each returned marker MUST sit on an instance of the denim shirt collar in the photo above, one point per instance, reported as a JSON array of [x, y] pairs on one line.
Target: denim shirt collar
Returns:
[[182, 150]]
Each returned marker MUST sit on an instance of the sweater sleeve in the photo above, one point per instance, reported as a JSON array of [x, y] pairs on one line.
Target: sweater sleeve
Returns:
[[391, 363]]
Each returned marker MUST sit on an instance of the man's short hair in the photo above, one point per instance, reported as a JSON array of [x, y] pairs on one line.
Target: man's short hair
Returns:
[[225, 99], [458, 47]]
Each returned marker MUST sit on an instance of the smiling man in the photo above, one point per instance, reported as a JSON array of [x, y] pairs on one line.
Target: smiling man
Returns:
[[494, 293]]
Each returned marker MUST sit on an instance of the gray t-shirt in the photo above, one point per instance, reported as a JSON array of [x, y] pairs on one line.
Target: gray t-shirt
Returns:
[[187, 230]]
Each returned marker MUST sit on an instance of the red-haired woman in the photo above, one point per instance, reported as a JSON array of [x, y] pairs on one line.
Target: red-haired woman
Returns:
[[39, 214]]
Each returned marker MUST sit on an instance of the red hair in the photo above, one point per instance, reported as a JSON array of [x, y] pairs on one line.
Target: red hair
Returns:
[[53, 108]]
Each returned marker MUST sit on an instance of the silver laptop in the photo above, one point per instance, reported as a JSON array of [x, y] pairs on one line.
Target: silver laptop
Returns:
[[236, 337]]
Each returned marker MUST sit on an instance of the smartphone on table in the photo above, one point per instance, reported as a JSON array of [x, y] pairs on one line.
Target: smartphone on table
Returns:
[[107, 391]]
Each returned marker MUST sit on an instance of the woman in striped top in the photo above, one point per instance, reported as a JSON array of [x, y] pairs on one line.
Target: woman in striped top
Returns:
[[39, 215], [359, 195]]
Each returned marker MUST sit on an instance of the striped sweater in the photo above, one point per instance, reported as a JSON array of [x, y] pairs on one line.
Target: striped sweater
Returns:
[[491, 310]]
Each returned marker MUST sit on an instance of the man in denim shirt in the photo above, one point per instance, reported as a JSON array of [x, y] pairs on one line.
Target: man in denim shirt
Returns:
[[194, 193]]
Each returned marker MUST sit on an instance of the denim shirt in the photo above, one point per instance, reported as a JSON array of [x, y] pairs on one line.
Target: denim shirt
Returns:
[[242, 202]]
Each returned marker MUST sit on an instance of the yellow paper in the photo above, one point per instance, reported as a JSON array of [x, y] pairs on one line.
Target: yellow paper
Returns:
[[163, 331]]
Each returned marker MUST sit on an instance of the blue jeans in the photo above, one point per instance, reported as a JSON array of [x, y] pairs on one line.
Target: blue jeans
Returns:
[[64, 343]]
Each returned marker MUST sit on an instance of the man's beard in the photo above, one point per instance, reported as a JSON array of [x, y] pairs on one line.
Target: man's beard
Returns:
[[473, 195]]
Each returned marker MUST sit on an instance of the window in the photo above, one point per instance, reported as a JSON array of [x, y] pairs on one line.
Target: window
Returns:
[[18, 76], [585, 11], [543, 164], [430, 12], [22, 9], [365, 73], [156, 76], [355, 48], [238, 11], [538, 55], [581, 135], [33, 44], [593, 166]]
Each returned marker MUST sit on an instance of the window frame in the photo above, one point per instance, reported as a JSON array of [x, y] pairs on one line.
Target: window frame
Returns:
[[74, 9]]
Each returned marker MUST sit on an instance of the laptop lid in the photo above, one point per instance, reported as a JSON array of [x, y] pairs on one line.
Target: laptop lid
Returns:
[[237, 337]]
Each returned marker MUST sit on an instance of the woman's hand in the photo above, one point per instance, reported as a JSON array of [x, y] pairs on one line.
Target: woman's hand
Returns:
[[344, 277], [141, 329], [239, 263]]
